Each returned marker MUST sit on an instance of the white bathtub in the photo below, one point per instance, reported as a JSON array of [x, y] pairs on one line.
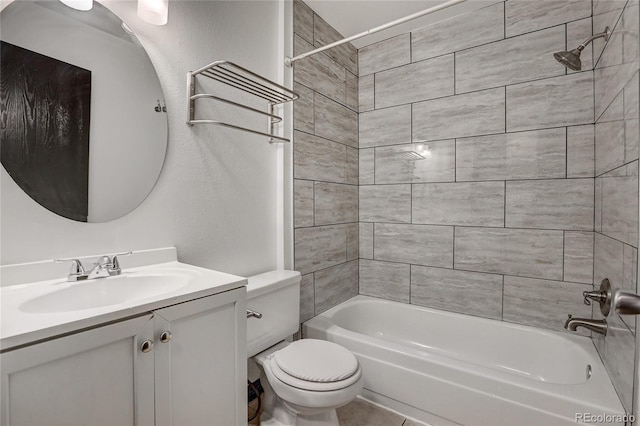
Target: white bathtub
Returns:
[[445, 368]]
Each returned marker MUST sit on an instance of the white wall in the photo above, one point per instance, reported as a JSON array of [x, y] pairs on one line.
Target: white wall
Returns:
[[216, 198]]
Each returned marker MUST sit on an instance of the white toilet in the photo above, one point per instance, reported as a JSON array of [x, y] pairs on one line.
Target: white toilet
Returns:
[[310, 378]]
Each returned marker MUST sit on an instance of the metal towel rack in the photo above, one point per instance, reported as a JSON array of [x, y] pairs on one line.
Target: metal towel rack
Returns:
[[247, 81]]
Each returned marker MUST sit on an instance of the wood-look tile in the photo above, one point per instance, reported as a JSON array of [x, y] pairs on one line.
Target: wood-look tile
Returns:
[[620, 208], [385, 203], [352, 166], [608, 261], [535, 154], [523, 16], [470, 114], [526, 301], [388, 126], [578, 257], [367, 166], [303, 21], [630, 269], [605, 6], [366, 240], [353, 243], [351, 97], [550, 204], [521, 252], [614, 111], [484, 66], [319, 72], [581, 151], [538, 104], [468, 293], [432, 78], [415, 163], [469, 204], [335, 122], [366, 91], [619, 60], [303, 109], [416, 244], [345, 54], [577, 32], [630, 36], [619, 349], [631, 97], [385, 54], [335, 203], [387, 280], [315, 158], [597, 216], [307, 303], [334, 285], [606, 13], [609, 146], [632, 138], [609, 82], [302, 203], [319, 248], [632, 119], [457, 33]]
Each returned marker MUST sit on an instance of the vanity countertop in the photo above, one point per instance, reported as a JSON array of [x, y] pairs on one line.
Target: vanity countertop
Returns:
[[26, 317]]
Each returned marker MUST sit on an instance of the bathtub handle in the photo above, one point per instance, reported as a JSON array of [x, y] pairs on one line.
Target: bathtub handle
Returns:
[[602, 296], [621, 302]]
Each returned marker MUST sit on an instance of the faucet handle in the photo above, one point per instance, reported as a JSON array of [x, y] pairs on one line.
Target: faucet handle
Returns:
[[116, 264], [77, 271], [602, 296]]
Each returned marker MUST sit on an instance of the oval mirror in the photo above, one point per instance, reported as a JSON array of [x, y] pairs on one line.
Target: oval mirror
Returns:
[[83, 127]]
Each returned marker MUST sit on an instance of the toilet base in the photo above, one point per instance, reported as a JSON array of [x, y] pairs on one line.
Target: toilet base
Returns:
[[276, 412], [280, 416]]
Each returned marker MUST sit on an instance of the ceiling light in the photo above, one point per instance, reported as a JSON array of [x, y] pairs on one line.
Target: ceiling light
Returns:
[[79, 4], [155, 12]]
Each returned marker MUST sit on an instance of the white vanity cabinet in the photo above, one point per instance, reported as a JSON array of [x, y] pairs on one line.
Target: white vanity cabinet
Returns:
[[201, 362], [180, 365]]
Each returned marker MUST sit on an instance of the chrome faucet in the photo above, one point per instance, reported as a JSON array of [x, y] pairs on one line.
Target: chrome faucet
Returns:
[[597, 326], [106, 266]]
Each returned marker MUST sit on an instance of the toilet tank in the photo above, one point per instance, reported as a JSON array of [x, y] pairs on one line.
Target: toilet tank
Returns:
[[275, 295]]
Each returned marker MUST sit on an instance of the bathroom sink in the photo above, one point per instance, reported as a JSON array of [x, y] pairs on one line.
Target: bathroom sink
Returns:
[[97, 293]]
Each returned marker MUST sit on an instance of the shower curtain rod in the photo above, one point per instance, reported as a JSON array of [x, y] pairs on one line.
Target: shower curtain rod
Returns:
[[288, 61]]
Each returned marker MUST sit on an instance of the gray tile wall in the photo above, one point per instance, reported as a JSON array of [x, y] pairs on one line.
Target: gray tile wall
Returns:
[[444, 175], [616, 184], [325, 156], [476, 177], [466, 170]]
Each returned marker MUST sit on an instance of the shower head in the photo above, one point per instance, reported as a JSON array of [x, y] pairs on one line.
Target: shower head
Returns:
[[571, 58]]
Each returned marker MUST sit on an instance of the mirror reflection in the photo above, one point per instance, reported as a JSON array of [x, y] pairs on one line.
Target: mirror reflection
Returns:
[[82, 128]]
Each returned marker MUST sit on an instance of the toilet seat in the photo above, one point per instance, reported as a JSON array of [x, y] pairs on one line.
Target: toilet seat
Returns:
[[315, 365]]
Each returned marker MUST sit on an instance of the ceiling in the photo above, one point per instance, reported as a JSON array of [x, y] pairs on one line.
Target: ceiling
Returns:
[[351, 17]]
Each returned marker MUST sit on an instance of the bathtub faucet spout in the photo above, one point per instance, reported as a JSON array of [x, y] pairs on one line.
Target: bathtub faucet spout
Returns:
[[598, 326]]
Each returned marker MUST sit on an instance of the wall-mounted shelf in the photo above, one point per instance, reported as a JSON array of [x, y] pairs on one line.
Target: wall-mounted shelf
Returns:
[[247, 81]]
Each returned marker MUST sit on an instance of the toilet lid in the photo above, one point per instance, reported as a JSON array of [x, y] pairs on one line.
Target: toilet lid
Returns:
[[317, 361]]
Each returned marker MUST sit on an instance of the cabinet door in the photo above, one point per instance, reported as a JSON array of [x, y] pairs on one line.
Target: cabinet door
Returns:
[[201, 369], [88, 378]]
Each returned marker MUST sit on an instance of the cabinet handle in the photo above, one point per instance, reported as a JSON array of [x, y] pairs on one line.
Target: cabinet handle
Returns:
[[165, 336], [146, 346]]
